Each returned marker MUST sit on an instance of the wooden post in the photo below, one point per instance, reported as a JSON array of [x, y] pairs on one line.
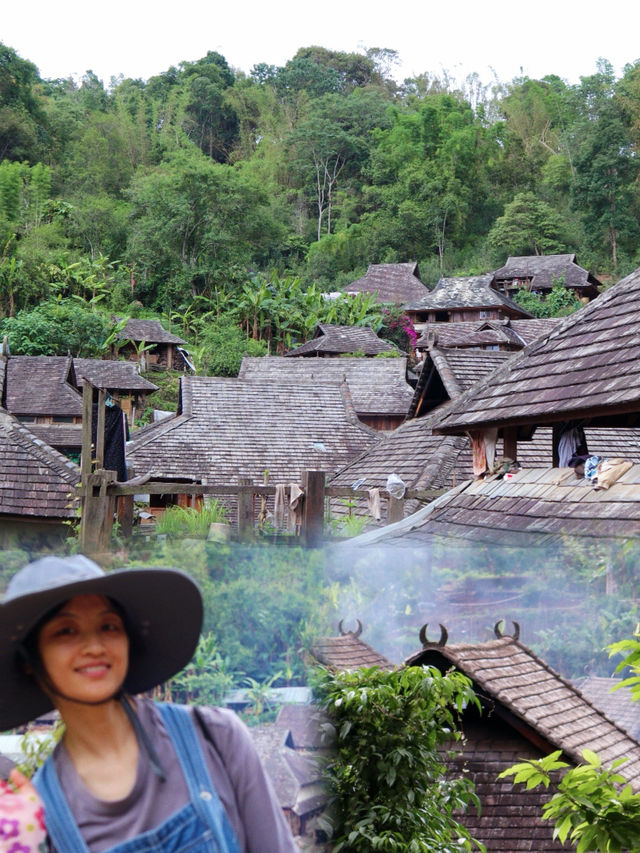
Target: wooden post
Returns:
[[87, 424], [124, 511], [555, 444], [510, 443], [245, 509], [395, 509], [312, 529], [97, 513]]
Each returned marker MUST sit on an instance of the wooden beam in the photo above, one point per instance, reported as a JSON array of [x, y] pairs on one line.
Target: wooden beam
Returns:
[[87, 418], [245, 508], [102, 396], [395, 509], [312, 529]]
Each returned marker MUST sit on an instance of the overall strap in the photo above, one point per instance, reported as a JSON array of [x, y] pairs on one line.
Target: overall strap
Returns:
[[203, 796], [59, 820]]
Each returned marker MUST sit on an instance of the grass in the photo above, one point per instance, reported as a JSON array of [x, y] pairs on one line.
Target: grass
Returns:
[[180, 521]]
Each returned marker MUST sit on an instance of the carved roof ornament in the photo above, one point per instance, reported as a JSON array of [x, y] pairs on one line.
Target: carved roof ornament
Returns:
[[498, 629], [355, 633], [444, 636]]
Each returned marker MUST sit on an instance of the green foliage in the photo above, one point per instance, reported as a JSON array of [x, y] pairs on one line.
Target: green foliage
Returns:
[[387, 773], [178, 522], [206, 679], [560, 301], [56, 328], [592, 808], [37, 746], [528, 226], [223, 346]]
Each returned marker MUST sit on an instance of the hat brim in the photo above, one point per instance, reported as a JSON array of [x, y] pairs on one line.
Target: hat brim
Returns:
[[163, 609]]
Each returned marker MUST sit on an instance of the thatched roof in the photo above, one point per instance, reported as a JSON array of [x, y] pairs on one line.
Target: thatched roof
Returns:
[[378, 386], [395, 284], [516, 681], [150, 331], [113, 375], [35, 480], [335, 339], [544, 271], [41, 385], [228, 428], [588, 366], [482, 333], [473, 291]]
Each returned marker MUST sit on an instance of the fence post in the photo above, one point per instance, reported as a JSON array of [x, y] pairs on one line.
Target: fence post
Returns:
[[395, 509], [245, 509], [312, 529]]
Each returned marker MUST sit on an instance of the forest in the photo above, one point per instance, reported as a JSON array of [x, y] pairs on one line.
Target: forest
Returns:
[[208, 196]]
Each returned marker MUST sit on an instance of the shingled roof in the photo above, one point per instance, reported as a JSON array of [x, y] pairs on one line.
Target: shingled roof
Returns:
[[589, 366], [474, 291], [532, 507], [35, 480], [150, 331], [41, 385], [544, 271], [377, 385], [228, 428], [512, 679], [392, 283], [348, 652], [482, 333], [113, 375], [335, 339], [613, 700]]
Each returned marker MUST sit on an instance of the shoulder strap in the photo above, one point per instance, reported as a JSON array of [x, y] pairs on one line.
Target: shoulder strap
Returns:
[[58, 818], [203, 795]]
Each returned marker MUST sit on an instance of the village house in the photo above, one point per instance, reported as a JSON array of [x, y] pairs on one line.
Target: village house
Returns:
[[539, 274], [528, 711], [503, 335], [332, 341], [378, 387], [392, 284], [149, 343], [464, 299], [230, 428], [121, 380], [37, 486]]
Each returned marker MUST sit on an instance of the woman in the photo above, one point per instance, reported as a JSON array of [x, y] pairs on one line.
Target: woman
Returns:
[[129, 774]]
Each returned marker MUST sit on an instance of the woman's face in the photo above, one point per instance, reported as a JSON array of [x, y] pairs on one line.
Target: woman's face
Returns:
[[84, 650]]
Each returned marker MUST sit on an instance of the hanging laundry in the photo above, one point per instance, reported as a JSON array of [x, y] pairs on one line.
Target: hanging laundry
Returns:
[[114, 438], [568, 444], [490, 439], [296, 498], [479, 453], [279, 505], [591, 468], [373, 504]]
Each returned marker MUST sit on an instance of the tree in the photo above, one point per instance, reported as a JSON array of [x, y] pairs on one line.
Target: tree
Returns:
[[387, 774], [528, 226], [23, 124]]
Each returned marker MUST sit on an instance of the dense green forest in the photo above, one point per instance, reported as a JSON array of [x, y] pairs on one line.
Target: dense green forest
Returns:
[[196, 191]]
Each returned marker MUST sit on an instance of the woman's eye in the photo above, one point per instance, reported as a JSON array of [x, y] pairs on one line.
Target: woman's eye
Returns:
[[112, 626], [63, 632]]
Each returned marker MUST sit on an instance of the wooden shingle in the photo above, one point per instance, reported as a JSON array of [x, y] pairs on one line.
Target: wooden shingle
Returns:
[[395, 284], [335, 340]]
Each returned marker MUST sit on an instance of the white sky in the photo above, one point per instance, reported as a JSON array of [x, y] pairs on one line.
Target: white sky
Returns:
[[138, 38]]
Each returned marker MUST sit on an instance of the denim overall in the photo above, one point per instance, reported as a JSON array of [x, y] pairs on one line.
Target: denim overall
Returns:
[[201, 826]]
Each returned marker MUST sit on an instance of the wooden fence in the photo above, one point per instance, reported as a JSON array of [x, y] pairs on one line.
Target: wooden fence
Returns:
[[103, 498]]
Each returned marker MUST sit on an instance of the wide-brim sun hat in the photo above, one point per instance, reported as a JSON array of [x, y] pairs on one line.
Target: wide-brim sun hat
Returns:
[[163, 612]]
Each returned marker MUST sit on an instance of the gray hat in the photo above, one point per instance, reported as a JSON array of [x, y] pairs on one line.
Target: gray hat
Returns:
[[163, 610]]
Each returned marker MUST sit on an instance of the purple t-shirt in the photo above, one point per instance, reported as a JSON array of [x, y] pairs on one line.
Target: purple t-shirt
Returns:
[[235, 769]]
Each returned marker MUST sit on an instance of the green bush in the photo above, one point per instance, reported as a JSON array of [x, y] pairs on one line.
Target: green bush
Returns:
[[180, 522], [223, 346], [56, 328]]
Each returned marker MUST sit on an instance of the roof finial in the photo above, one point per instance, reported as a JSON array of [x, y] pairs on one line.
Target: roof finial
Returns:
[[355, 633], [498, 629], [444, 636]]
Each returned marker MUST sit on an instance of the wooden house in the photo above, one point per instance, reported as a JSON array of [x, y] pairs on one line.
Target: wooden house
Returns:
[[161, 348], [121, 379], [464, 299], [378, 387], [332, 341], [42, 392], [539, 274], [528, 711], [392, 284], [36, 487], [585, 373], [502, 335], [230, 428]]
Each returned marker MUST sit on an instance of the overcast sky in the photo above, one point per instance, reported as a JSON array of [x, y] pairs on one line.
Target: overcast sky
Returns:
[[138, 38]]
